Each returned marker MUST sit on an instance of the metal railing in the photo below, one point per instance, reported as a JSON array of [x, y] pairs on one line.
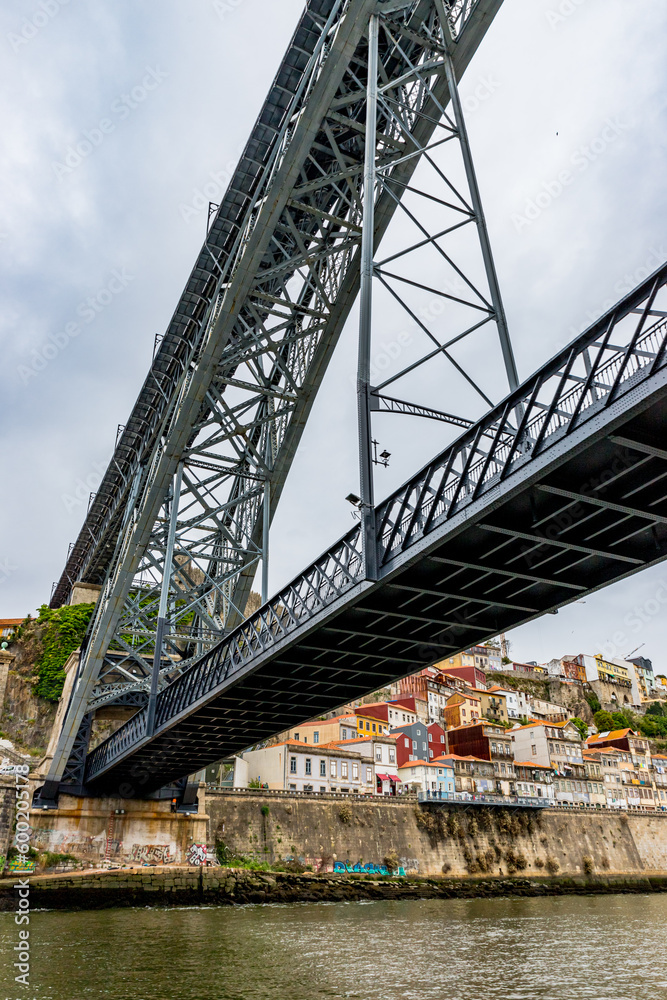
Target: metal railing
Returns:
[[437, 491], [571, 388]]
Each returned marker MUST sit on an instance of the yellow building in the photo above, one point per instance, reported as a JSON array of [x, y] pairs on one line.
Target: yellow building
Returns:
[[462, 709]]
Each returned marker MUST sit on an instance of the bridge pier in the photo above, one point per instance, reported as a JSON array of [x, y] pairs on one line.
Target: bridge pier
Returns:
[[119, 831]]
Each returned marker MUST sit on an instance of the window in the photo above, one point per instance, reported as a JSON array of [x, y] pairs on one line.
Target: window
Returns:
[[493, 748], [430, 754], [292, 788], [334, 768], [442, 739], [323, 788], [534, 749], [392, 755], [407, 744], [430, 738], [343, 769], [296, 737], [343, 733], [292, 765], [355, 772], [323, 769], [414, 744], [423, 745], [403, 718], [373, 728], [307, 788], [308, 765], [316, 737], [369, 775], [378, 754]]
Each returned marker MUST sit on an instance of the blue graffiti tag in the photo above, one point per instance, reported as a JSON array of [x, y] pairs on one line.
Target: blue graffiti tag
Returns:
[[341, 868]]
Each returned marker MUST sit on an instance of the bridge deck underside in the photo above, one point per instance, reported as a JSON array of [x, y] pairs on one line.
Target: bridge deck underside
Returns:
[[589, 519]]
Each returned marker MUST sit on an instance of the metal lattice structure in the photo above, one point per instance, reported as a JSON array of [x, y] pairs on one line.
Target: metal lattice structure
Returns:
[[364, 103], [206, 451], [506, 524]]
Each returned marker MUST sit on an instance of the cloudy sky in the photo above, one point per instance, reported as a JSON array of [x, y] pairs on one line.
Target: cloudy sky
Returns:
[[95, 249]]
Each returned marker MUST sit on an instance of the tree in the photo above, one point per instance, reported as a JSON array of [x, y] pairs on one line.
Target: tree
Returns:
[[623, 719], [593, 702], [581, 726], [604, 721]]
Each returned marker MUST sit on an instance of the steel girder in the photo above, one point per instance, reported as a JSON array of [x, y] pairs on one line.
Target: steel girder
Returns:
[[235, 376], [507, 523]]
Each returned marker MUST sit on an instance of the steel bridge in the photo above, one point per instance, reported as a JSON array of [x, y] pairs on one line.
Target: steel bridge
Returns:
[[555, 492]]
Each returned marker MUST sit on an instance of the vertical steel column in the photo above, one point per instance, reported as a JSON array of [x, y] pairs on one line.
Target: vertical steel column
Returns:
[[162, 620], [265, 541], [366, 311], [475, 197]]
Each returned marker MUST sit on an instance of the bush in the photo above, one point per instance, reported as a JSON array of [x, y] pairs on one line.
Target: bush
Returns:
[[552, 865], [587, 864], [345, 813], [57, 633], [539, 863], [446, 868], [391, 861], [50, 860], [473, 829], [265, 810], [453, 825]]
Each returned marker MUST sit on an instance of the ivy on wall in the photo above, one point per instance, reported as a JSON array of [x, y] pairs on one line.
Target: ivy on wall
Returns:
[[58, 633]]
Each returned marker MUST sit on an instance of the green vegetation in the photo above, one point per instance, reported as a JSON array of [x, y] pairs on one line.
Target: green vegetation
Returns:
[[56, 634], [593, 702], [50, 860], [581, 726], [652, 725], [228, 859]]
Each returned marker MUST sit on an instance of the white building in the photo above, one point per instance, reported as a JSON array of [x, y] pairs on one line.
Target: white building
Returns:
[[382, 750], [558, 746], [300, 767], [518, 702]]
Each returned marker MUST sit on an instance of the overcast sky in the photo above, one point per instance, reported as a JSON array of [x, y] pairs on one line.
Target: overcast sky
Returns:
[[95, 250]]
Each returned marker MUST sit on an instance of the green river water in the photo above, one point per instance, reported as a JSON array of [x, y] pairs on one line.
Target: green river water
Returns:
[[581, 948]]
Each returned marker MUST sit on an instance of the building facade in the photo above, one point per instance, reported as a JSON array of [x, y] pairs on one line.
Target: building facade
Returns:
[[300, 767]]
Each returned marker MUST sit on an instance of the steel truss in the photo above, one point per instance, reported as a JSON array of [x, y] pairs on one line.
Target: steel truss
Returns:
[[209, 443], [577, 537]]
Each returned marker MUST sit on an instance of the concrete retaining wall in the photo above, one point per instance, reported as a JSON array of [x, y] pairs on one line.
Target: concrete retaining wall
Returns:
[[432, 839]]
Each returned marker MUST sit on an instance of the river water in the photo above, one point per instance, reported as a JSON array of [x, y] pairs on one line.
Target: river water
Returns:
[[581, 948]]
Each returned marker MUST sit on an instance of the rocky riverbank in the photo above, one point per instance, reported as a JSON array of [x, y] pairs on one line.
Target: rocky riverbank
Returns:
[[183, 886]]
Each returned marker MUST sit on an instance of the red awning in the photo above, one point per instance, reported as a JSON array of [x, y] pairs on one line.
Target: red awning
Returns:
[[387, 777]]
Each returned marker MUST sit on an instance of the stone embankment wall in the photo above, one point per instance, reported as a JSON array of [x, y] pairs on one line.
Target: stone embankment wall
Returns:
[[425, 840], [434, 839], [227, 886]]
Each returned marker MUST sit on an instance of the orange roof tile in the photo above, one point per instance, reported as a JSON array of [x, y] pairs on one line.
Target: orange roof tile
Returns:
[[325, 722], [612, 734]]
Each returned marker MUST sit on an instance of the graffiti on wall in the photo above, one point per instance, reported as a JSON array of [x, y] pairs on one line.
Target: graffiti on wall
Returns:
[[200, 854], [151, 854], [341, 867]]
